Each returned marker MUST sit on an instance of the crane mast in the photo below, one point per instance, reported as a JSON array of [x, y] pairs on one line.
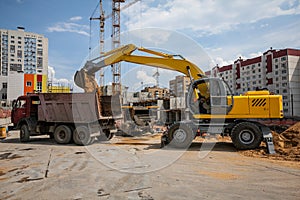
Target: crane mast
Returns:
[[116, 68]]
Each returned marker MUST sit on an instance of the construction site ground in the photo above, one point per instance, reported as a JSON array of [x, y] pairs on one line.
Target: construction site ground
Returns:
[[136, 168]]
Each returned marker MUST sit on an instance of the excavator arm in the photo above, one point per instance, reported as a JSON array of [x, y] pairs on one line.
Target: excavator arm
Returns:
[[85, 78]]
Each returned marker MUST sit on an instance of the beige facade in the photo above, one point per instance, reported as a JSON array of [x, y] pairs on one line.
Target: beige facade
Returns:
[[179, 86], [21, 53]]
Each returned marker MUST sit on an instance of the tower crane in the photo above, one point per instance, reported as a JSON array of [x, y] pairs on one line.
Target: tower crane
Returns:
[[156, 75], [116, 27]]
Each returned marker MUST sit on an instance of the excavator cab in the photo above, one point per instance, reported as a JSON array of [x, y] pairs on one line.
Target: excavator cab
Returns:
[[209, 96]]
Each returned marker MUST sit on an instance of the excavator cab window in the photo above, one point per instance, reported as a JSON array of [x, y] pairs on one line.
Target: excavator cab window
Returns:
[[213, 97]]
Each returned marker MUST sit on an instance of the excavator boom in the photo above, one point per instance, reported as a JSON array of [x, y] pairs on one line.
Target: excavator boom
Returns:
[[85, 78]]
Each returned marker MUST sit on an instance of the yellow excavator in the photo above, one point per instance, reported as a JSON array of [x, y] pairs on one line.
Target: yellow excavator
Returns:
[[210, 102]]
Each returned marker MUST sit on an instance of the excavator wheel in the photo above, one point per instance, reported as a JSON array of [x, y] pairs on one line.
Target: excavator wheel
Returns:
[[246, 135], [180, 135]]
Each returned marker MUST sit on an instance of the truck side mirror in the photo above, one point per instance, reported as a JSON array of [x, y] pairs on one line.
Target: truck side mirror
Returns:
[[14, 103]]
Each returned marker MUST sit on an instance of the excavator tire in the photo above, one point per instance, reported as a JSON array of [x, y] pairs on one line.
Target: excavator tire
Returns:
[[246, 135], [180, 135]]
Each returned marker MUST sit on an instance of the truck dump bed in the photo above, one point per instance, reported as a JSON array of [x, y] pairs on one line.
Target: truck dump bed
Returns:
[[77, 107]]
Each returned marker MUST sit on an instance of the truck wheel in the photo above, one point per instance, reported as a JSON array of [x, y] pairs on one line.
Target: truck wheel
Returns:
[[81, 135], [246, 135], [180, 135], [24, 133], [62, 134]]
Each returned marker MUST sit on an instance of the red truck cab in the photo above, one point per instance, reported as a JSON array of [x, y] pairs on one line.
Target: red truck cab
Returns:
[[23, 108]]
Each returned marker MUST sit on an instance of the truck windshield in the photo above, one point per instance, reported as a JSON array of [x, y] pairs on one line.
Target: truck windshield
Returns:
[[20, 104]]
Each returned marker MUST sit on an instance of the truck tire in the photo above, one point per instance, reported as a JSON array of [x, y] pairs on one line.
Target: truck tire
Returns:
[[180, 135], [24, 133], [81, 135], [246, 135], [62, 134]]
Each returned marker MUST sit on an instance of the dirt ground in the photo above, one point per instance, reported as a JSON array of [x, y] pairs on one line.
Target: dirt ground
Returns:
[[137, 168], [287, 146]]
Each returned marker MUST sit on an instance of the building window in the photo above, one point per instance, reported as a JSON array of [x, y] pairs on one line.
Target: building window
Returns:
[[283, 58], [284, 78], [4, 85], [12, 48], [276, 66], [284, 90], [40, 52], [28, 84], [12, 37], [4, 96], [39, 87], [19, 53], [276, 59]]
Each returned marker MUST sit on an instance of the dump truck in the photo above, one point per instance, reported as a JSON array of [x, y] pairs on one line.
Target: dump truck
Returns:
[[210, 103], [66, 117]]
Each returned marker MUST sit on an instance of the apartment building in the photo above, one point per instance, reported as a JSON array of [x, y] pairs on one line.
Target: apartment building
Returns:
[[179, 86], [23, 63], [275, 70]]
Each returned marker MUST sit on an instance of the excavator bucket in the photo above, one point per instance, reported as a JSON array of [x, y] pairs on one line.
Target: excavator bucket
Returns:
[[79, 78], [85, 81]]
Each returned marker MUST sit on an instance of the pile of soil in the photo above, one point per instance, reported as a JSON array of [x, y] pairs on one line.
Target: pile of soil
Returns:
[[4, 113], [287, 146]]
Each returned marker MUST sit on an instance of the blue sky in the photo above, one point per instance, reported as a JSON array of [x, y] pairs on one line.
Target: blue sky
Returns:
[[223, 29]]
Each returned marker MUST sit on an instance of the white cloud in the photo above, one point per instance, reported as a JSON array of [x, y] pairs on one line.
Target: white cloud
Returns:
[[206, 17], [221, 62], [69, 27], [145, 78], [76, 18], [55, 81]]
